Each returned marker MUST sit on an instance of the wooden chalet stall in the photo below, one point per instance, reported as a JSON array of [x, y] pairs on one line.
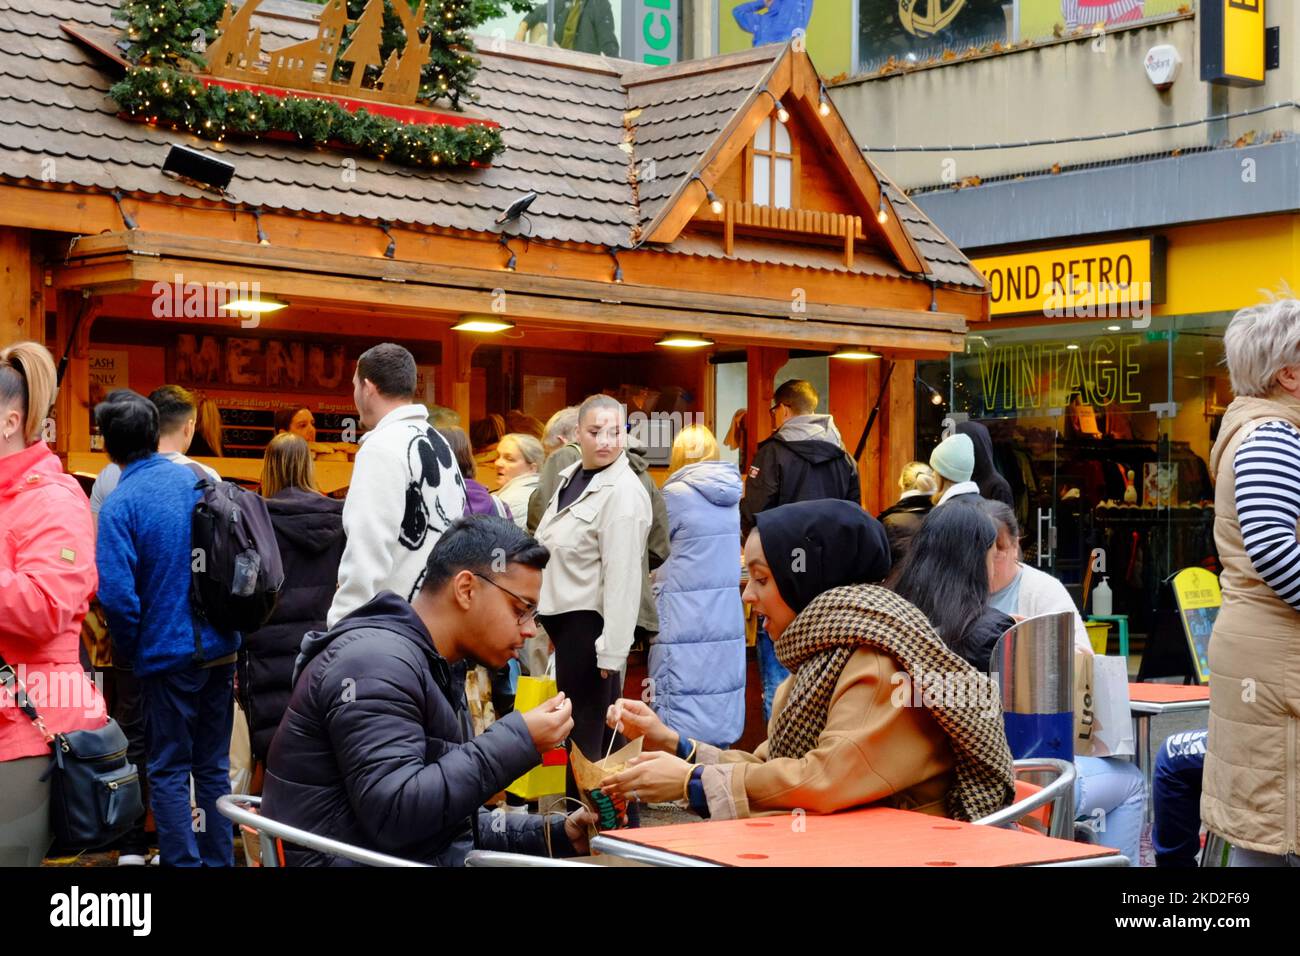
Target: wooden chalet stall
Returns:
[[668, 200]]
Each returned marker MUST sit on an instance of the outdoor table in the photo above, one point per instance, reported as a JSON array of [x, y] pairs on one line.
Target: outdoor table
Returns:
[[1147, 701], [876, 836]]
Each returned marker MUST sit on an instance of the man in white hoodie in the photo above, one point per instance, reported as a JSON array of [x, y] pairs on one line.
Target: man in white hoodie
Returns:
[[406, 488]]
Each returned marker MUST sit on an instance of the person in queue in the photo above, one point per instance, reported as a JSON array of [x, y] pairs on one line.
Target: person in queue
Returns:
[[374, 750], [1251, 785], [309, 531], [560, 442], [478, 500], [519, 459], [953, 460], [406, 487], [839, 738], [947, 575], [985, 474], [1109, 792], [918, 483], [185, 667], [47, 578], [697, 661], [296, 421], [595, 527], [803, 460]]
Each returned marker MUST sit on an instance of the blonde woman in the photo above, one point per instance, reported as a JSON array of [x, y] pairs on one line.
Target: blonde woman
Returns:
[[309, 530], [918, 483], [47, 577], [697, 662], [519, 459]]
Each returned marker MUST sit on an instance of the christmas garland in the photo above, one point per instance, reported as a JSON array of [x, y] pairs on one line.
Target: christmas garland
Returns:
[[181, 100]]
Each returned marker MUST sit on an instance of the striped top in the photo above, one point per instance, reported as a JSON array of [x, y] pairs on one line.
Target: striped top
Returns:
[[1267, 468]]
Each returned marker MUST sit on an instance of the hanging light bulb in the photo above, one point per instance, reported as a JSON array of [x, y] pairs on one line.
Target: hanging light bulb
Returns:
[[823, 106], [715, 203], [782, 113], [882, 214]]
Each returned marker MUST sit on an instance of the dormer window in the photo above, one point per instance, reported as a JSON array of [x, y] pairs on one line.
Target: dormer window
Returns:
[[772, 172]]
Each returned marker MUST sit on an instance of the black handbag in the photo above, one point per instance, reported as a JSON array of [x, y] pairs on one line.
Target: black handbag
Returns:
[[94, 790]]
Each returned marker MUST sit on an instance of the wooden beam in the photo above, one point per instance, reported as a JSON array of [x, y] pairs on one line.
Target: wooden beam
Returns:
[[72, 406], [850, 402], [453, 385]]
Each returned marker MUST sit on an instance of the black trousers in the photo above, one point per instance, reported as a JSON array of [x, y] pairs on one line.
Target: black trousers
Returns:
[[128, 711], [578, 678]]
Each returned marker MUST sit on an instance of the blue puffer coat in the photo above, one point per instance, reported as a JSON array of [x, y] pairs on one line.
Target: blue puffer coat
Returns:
[[698, 660]]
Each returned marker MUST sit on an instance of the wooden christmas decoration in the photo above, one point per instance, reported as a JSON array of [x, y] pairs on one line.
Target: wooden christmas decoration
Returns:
[[237, 53]]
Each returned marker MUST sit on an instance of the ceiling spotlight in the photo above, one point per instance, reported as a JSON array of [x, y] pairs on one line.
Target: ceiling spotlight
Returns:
[[855, 354], [516, 208], [198, 167], [261, 305], [682, 340], [1112, 328], [482, 323]]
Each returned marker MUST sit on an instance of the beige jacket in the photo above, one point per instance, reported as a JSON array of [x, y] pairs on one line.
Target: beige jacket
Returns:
[[598, 546], [872, 752], [1250, 793]]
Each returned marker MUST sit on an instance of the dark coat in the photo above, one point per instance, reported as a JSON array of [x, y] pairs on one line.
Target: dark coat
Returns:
[[375, 749], [595, 33], [992, 485], [784, 472], [309, 530], [977, 645], [902, 520]]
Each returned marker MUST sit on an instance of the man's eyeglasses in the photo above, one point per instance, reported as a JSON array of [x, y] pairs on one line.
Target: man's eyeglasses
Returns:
[[529, 613]]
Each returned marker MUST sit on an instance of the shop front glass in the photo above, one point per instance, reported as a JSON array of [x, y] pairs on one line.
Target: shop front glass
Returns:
[[1103, 430]]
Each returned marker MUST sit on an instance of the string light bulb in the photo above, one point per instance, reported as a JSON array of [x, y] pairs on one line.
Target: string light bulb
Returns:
[[823, 105], [782, 113], [882, 214]]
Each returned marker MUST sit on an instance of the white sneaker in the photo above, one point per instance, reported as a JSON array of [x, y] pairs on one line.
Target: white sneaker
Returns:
[[132, 859], [156, 860]]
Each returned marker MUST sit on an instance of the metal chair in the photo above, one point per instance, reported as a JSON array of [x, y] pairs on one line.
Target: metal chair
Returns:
[[497, 858], [242, 809], [1057, 796], [1033, 667], [1216, 852]]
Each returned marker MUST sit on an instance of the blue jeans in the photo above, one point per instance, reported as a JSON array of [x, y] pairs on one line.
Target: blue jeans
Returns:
[[770, 671], [189, 715], [1110, 794], [1176, 799]]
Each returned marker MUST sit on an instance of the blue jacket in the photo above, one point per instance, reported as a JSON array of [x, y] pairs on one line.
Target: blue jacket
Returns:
[[777, 24], [143, 553], [698, 660]]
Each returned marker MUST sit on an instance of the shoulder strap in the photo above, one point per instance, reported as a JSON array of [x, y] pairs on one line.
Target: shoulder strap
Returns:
[[10, 681], [203, 476]]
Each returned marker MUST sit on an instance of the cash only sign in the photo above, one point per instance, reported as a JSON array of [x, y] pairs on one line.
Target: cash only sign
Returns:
[[1119, 279]]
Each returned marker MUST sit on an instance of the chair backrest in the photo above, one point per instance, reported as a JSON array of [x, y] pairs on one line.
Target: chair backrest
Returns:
[[1033, 666], [245, 810], [1047, 808]]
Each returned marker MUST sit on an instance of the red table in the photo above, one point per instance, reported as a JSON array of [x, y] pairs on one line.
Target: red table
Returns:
[[871, 837], [1147, 701]]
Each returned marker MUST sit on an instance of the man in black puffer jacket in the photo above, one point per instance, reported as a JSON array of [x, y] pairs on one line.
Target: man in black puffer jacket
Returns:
[[376, 748]]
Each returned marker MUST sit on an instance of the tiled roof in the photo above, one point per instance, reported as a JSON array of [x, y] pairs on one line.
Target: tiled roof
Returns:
[[570, 121]]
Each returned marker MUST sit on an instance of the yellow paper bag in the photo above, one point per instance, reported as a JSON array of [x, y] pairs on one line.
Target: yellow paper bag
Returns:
[[548, 776]]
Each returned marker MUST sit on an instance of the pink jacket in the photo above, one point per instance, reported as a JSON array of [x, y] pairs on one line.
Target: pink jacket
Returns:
[[47, 576]]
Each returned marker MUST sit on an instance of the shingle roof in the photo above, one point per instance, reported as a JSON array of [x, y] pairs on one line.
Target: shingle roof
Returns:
[[570, 121]]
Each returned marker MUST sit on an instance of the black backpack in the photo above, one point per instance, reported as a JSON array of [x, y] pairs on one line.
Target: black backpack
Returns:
[[236, 574]]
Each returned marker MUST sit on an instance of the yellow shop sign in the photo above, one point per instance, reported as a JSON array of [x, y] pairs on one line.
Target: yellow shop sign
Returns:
[[1105, 280]]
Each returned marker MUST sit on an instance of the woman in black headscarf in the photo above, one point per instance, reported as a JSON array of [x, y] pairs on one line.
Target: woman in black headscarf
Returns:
[[992, 485], [848, 727]]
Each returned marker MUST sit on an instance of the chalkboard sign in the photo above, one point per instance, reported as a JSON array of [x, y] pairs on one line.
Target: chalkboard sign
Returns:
[[1197, 594]]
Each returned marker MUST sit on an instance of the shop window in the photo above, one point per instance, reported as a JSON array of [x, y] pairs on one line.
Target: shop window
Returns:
[[772, 165]]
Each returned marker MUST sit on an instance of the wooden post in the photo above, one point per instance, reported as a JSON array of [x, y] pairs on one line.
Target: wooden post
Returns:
[[21, 302], [899, 413], [453, 375], [762, 365], [72, 407], [854, 386]]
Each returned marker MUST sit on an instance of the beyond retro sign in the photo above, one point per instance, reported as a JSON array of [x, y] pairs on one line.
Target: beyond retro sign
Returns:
[[1105, 279]]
